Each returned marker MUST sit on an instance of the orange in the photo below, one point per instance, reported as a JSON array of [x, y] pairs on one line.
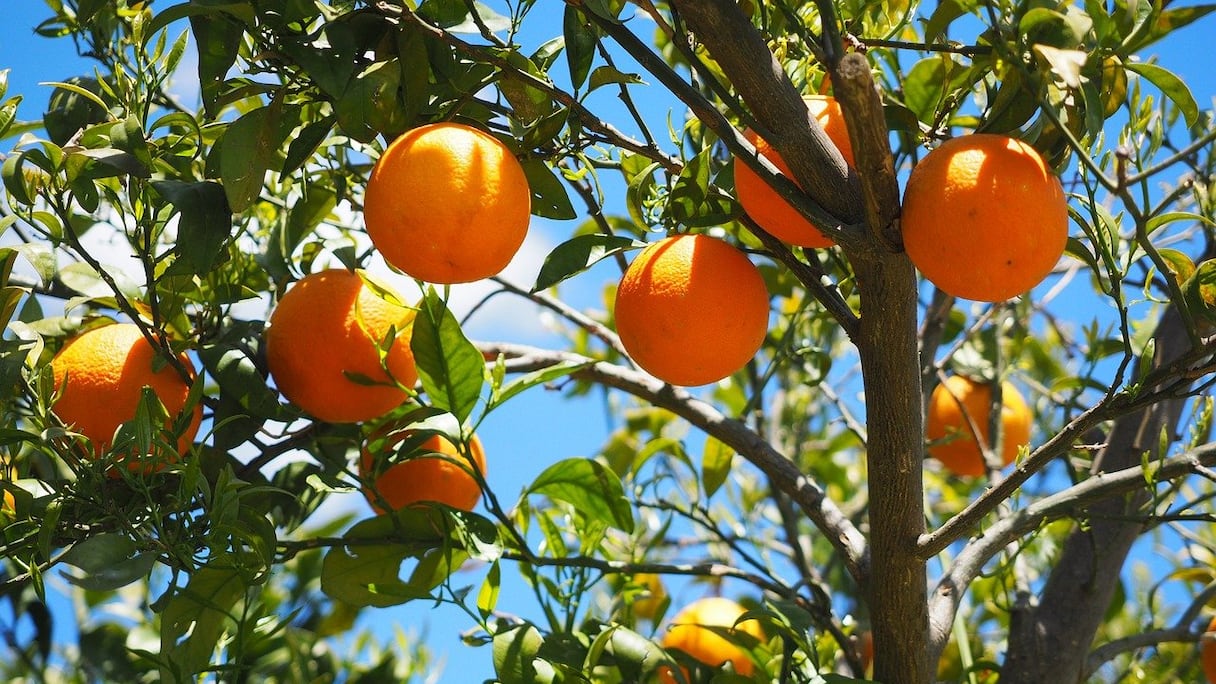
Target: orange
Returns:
[[648, 604], [688, 633], [447, 203], [323, 348], [1207, 653], [691, 309], [959, 400], [101, 374], [984, 217], [761, 201], [437, 471]]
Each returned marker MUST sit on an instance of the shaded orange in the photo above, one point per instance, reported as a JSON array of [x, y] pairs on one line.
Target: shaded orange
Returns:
[[647, 606], [447, 203], [687, 632], [984, 217], [691, 309], [959, 400], [101, 374], [1207, 653], [323, 342], [767, 208], [423, 476]]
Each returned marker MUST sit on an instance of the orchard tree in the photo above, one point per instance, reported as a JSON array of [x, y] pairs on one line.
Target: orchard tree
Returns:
[[829, 482]]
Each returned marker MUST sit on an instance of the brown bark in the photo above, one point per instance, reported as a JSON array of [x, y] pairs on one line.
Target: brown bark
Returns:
[[886, 337]]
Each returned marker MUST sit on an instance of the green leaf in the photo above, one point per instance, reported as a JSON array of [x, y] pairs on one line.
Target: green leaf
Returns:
[[549, 197], [238, 377], [366, 572], [371, 104], [605, 75], [579, 254], [1171, 86], [108, 561], [540, 377], [580, 36], [593, 490], [715, 464], [248, 147], [516, 656], [691, 202], [195, 617], [205, 224], [451, 368], [487, 597], [218, 39]]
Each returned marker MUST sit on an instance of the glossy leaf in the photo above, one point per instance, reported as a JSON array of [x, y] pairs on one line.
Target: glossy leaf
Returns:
[[593, 490], [451, 368], [579, 254]]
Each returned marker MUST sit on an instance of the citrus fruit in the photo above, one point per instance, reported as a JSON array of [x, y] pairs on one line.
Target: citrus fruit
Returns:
[[691, 309], [959, 401], [447, 203], [1207, 653], [101, 374], [761, 201], [436, 471], [984, 217], [688, 633], [323, 348], [648, 604]]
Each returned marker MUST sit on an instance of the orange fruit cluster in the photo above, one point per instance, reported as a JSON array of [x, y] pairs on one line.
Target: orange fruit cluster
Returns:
[[767, 208], [437, 471], [958, 403], [691, 309], [101, 373], [447, 203], [688, 632], [984, 217]]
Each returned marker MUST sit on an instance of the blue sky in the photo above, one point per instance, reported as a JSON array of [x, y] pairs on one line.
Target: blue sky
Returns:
[[524, 436]]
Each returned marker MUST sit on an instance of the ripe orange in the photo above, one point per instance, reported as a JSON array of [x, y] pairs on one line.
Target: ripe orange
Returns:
[[984, 217], [323, 348], [691, 309], [688, 633], [764, 205], [952, 441], [423, 476], [447, 203], [1207, 654], [101, 374]]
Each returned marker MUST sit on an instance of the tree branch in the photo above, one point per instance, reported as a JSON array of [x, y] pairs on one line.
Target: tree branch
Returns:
[[807, 495]]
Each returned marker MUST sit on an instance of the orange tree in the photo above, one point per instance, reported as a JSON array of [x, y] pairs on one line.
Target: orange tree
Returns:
[[797, 484]]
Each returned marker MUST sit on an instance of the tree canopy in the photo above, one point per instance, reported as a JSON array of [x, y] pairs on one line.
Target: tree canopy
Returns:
[[801, 485]]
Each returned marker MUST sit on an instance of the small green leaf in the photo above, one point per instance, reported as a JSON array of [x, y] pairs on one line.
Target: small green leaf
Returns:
[[605, 75], [487, 597], [451, 368], [579, 254], [1171, 86], [593, 490], [540, 377], [239, 378], [715, 465]]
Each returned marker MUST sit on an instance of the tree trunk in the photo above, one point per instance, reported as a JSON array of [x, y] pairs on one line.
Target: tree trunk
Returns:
[[1050, 638]]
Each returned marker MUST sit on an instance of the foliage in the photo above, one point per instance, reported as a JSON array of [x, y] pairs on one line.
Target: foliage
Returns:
[[771, 486]]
